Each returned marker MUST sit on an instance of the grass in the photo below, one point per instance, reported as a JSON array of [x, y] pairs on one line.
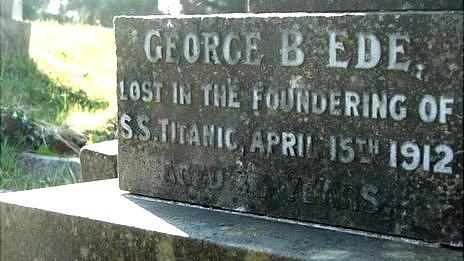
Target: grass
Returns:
[[13, 175], [82, 57], [25, 87], [69, 80]]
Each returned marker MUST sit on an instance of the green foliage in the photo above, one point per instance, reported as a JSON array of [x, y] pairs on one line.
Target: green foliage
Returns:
[[103, 11], [44, 150], [106, 132], [10, 165], [32, 135], [27, 91], [32, 9], [35, 105], [215, 6], [17, 128], [26, 88]]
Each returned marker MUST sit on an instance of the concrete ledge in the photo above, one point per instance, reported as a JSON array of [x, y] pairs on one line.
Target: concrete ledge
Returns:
[[99, 160], [96, 220]]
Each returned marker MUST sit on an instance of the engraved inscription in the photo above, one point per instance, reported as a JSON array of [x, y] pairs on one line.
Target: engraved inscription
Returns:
[[197, 176], [235, 48], [351, 120]]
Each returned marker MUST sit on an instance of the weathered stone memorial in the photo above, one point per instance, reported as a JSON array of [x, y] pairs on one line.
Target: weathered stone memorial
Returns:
[[352, 120], [264, 6], [286, 136]]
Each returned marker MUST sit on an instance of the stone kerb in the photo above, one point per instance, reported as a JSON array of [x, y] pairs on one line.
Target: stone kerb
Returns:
[[98, 161]]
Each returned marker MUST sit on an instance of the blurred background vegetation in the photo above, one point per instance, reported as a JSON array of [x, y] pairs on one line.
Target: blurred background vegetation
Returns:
[[62, 95], [57, 99], [101, 12], [92, 12]]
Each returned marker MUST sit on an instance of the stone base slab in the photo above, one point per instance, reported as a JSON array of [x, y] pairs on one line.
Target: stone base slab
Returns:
[[97, 221]]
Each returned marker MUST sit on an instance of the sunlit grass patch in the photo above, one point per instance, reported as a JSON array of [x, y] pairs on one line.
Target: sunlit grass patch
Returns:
[[23, 86], [82, 57]]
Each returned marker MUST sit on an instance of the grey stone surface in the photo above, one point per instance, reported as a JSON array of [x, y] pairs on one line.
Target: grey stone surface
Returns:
[[97, 221], [99, 160], [378, 157], [11, 9], [49, 167], [263, 6], [6, 8], [14, 34], [14, 37]]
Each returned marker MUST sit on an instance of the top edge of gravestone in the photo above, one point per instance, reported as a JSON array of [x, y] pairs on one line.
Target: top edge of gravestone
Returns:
[[281, 15], [263, 6]]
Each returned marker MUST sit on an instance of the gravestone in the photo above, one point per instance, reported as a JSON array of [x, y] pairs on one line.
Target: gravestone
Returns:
[[12, 9], [14, 33], [353, 120], [263, 6], [371, 140]]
